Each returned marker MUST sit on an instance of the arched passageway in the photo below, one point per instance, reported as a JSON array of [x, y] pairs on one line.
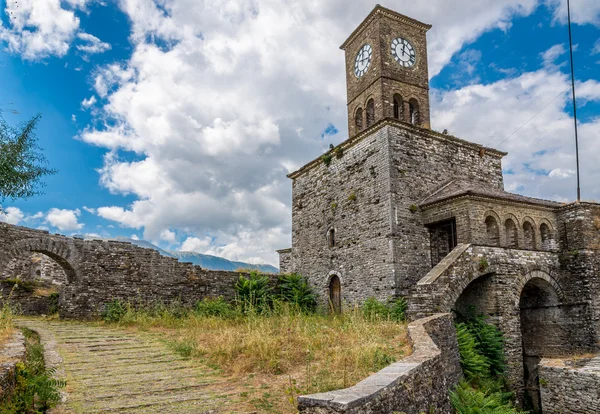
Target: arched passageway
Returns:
[[33, 281], [542, 334]]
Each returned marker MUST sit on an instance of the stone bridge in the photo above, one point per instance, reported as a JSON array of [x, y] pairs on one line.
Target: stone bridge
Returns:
[[98, 272], [542, 305]]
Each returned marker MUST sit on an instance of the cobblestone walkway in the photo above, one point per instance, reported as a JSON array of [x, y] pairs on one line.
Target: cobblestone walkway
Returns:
[[112, 370]]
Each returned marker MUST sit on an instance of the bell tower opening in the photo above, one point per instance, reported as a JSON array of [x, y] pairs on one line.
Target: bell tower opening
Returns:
[[386, 59]]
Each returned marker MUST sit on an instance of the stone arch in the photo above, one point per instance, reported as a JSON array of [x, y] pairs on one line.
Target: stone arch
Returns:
[[358, 119], [398, 103], [540, 275], [331, 236], [370, 112], [414, 115], [529, 233], [511, 232], [547, 235], [334, 291], [59, 251], [492, 228]]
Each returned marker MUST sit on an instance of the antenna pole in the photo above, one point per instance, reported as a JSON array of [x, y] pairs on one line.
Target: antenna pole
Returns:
[[574, 102]]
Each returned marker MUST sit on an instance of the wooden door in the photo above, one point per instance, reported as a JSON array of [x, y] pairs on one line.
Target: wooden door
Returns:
[[335, 293]]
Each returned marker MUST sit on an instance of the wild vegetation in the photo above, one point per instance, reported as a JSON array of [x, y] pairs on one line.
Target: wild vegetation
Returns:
[[274, 343], [481, 349], [36, 390]]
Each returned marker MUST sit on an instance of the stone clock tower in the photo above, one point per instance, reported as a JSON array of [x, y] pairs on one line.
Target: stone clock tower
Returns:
[[386, 71]]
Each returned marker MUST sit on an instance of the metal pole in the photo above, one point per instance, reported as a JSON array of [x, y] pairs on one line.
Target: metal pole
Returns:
[[574, 102]]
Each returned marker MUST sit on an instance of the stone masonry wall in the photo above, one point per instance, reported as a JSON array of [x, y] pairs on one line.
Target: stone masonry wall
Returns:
[[11, 352], [285, 261], [350, 197], [419, 383], [569, 389], [421, 163], [101, 271]]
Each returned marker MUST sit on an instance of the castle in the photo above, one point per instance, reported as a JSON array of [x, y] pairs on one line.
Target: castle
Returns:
[[400, 210]]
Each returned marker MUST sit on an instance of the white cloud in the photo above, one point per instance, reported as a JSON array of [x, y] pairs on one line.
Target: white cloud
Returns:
[[233, 97], [596, 48], [40, 28], [12, 215], [541, 156], [552, 54], [89, 210], [195, 244], [63, 219], [168, 236], [92, 44], [134, 237], [582, 11], [87, 103]]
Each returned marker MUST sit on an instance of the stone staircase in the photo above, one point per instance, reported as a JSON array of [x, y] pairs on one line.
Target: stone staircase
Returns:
[[112, 370]]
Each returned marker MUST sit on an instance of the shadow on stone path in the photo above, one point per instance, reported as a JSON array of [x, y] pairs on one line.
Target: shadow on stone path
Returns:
[[112, 370]]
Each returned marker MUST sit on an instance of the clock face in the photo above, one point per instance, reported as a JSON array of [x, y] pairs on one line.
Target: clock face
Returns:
[[403, 52], [363, 60]]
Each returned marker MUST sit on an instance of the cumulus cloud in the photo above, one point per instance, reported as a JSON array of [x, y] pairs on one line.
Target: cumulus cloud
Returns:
[[89, 102], [91, 44], [195, 244], [168, 236], [550, 55], [596, 48], [510, 114], [40, 28], [64, 219], [220, 100], [12, 215]]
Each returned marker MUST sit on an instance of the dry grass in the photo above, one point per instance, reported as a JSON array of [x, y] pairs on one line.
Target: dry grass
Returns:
[[6, 321], [269, 360], [45, 291]]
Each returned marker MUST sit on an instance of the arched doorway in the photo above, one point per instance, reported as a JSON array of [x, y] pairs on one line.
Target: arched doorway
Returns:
[[335, 293], [33, 280], [542, 334]]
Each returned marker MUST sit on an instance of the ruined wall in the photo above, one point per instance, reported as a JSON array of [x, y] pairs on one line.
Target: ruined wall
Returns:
[[101, 271], [421, 162], [569, 388], [11, 352], [350, 197], [419, 383], [285, 261]]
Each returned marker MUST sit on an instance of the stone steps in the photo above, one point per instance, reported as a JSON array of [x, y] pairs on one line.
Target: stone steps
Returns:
[[108, 370]]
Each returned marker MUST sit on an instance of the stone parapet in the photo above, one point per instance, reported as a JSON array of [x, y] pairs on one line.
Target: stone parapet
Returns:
[[419, 383]]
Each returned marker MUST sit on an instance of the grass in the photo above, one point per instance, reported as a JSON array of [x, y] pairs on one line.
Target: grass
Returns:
[[6, 320], [270, 358]]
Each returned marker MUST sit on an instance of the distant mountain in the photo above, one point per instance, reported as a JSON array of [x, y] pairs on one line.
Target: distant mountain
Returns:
[[218, 263], [204, 260]]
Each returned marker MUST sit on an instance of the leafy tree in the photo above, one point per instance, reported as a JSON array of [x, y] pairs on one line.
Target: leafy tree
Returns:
[[22, 164]]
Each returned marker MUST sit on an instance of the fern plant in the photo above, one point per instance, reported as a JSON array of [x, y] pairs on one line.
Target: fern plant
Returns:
[[473, 362], [253, 293], [294, 289], [468, 400]]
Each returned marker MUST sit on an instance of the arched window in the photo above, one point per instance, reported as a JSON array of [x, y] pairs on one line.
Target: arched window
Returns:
[[492, 231], [528, 235], [331, 237], [414, 116], [335, 294], [511, 233], [370, 112], [547, 237], [398, 107], [358, 119]]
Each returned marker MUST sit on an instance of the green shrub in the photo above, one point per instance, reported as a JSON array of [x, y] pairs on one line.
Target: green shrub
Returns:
[[398, 309], [114, 311], [339, 152], [326, 158], [468, 400], [36, 390], [352, 196], [253, 293], [474, 364], [372, 309], [26, 285], [53, 303], [294, 289], [214, 307]]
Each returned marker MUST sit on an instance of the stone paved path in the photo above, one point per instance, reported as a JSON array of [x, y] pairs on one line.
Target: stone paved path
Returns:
[[112, 370]]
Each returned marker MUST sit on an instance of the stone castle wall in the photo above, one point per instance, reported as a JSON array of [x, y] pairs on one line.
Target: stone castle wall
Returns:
[[99, 272], [419, 383]]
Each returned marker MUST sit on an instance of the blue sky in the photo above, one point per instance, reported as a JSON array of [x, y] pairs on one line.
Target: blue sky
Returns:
[[177, 120]]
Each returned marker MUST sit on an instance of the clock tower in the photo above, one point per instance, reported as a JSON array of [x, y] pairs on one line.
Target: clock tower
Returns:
[[386, 71]]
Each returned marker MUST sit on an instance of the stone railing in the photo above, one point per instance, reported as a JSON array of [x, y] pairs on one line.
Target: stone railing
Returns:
[[418, 383], [12, 352]]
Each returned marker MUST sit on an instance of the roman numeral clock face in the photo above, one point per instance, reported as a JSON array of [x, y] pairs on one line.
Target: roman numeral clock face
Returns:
[[363, 60], [403, 52]]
